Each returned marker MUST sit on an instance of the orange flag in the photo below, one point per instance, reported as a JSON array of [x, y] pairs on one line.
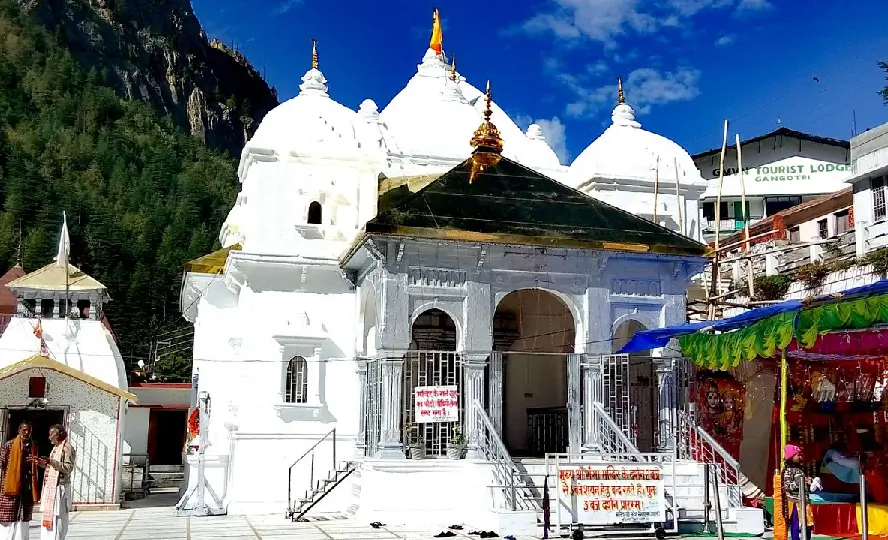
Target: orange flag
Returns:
[[437, 34]]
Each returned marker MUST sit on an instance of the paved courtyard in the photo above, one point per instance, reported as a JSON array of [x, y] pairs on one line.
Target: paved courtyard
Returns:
[[163, 524]]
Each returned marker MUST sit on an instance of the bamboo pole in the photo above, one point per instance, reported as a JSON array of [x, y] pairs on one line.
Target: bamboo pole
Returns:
[[656, 187], [721, 179], [745, 216], [681, 221]]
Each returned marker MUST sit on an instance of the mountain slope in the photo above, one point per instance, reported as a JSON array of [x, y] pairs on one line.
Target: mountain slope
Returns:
[[142, 195], [156, 51]]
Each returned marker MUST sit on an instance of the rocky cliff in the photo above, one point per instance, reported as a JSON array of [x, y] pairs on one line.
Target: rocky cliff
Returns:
[[157, 51]]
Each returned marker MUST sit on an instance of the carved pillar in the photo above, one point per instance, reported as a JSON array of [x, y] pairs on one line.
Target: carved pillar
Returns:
[[591, 371], [364, 400], [495, 392], [667, 408], [473, 389], [574, 413], [392, 378]]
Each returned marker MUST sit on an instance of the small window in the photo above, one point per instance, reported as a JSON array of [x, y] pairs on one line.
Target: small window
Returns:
[[878, 188], [46, 308], [779, 204], [297, 381], [843, 221], [823, 229], [794, 236], [314, 213], [709, 211]]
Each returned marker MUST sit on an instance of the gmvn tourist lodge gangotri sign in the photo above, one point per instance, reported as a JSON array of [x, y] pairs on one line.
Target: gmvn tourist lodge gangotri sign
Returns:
[[786, 173]]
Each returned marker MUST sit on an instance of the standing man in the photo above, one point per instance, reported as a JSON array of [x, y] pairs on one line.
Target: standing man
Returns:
[[56, 485], [18, 480]]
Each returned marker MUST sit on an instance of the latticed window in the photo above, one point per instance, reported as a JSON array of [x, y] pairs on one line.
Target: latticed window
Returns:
[[297, 381], [878, 188]]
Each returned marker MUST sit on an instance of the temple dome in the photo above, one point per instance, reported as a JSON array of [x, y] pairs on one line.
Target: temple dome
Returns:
[[630, 154], [312, 123], [435, 116]]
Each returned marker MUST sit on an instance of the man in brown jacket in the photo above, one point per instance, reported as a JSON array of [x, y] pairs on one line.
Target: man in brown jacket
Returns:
[[18, 484]]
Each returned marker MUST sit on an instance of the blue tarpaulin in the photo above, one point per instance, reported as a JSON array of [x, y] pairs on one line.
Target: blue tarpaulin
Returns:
[[659, 337]]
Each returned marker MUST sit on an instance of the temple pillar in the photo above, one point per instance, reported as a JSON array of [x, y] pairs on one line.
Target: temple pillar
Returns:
[[392, 379], [361, 443], [591, 372], [574, 410], [473, 390]]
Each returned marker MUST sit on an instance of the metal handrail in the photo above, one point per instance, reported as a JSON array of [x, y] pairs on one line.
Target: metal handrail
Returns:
[[719, 449], [624, 444], [309, 451], [496, 453]]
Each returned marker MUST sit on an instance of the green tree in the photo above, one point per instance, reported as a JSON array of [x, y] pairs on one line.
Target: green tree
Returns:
[[884, 91]]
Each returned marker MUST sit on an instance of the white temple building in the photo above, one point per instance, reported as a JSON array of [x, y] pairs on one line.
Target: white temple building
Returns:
[[371, 263]]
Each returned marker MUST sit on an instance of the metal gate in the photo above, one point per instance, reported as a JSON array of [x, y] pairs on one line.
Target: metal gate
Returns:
[[430, 368], [615, 394]]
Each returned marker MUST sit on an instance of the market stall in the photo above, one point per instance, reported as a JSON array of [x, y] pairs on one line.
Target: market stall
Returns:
[[811, 372]]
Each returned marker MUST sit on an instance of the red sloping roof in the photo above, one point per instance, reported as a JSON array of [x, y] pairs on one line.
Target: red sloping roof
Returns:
[[8, 301]]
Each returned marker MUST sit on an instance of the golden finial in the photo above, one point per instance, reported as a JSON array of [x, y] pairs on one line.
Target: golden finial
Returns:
[[620, 97], [487, 142], [453, 69], [314, 53]]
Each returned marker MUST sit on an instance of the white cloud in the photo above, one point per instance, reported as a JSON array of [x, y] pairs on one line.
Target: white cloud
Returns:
[[523, 121], [753, 6], [605, 20], [644, 88], [553, 130], [286, 6], [724, 41]]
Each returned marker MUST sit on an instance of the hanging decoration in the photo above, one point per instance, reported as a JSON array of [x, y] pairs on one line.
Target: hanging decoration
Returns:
[[767, 337]]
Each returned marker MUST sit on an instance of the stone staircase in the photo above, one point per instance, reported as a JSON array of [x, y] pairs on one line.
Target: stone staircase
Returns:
[[165, 478], [319, 490]]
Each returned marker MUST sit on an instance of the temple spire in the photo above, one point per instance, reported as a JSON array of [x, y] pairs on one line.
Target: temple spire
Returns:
[[487, 141], [621, 98], [453, 69], [314, 53]]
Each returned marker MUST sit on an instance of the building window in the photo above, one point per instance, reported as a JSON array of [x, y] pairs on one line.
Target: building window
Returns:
[[314, 213], [46, 308], [823, 229], [878, 187], [779, 204], [843, 221], [794, 236], [297, 381]]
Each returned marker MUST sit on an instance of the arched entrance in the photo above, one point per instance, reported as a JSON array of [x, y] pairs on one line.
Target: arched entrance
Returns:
[[535, 331], [637, 390], [431, 365]]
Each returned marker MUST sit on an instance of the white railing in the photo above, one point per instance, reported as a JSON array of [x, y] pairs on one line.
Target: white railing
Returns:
[[608, 436], [701, 447], [516, 492]]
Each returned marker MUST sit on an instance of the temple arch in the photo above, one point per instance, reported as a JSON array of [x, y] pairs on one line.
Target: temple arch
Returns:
[[535, 330]]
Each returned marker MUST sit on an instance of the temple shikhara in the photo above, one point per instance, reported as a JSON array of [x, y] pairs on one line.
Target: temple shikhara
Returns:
[[426, 289]]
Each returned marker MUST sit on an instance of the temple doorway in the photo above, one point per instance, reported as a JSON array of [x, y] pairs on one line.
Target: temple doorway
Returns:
[[40, 420], [535, 331], [639, 382], [431, 362]]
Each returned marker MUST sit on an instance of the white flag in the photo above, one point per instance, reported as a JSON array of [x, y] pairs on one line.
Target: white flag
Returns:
[[64, 245]]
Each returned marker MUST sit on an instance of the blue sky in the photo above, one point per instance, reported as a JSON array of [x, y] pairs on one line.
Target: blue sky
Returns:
[[686, 64]]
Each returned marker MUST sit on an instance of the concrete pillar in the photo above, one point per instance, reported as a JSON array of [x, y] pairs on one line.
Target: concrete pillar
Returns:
[[473, 390], [392, 378], [861, 232], [574, 408], [495, 392], [771, 264]]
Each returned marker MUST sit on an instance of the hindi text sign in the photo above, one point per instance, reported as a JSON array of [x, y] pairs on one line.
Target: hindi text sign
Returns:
[[436, 404], [613, 494]]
